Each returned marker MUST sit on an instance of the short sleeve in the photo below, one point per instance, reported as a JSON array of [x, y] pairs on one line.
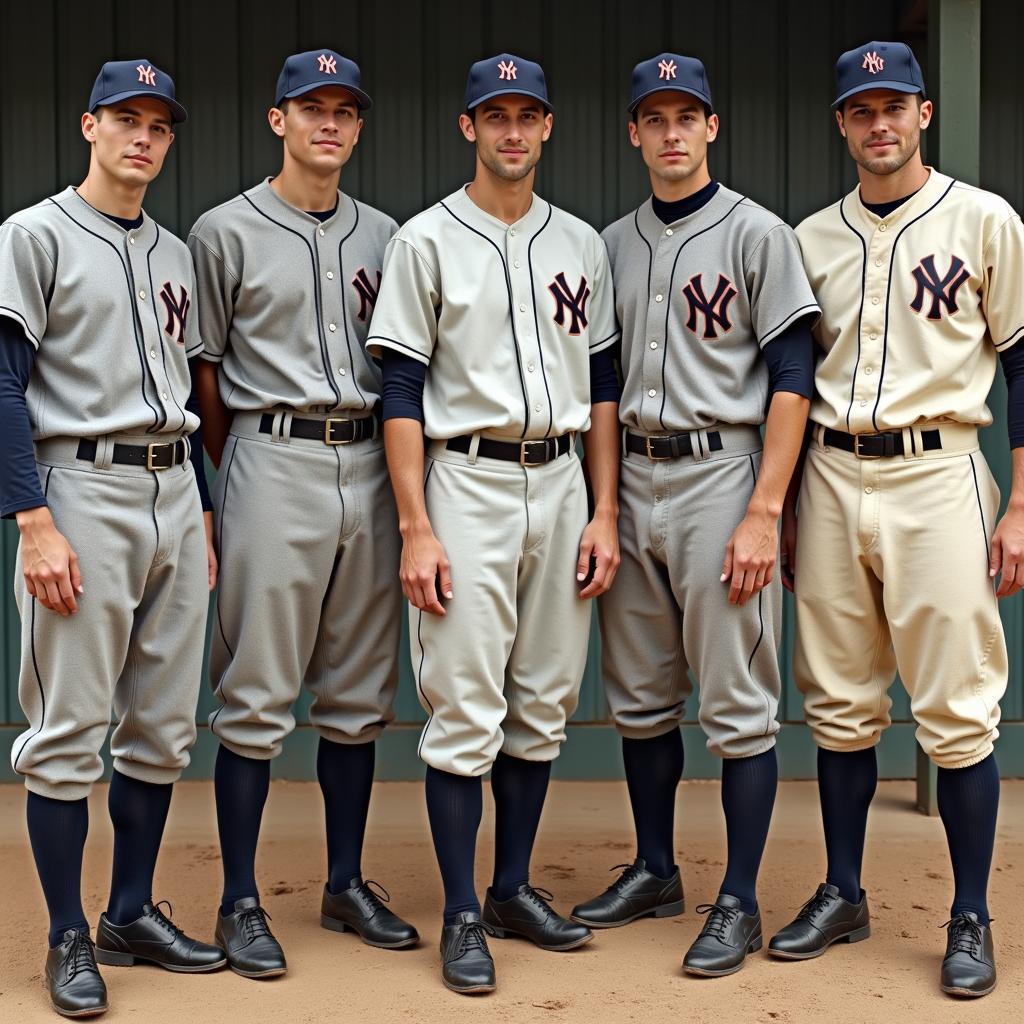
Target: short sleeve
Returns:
[[777, 284], [26, 277], [405, 315], [1002, 297], [603, 326], [216, 287], [193, 337]]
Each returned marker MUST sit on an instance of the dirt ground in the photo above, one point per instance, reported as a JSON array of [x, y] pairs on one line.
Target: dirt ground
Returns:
[[627, 974]]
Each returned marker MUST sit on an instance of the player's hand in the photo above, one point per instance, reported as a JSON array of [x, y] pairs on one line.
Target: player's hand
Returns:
[[211, 554], [600, 543], [750, 556], [425, 571], [49, 563], [1008, 553], [787, 548]]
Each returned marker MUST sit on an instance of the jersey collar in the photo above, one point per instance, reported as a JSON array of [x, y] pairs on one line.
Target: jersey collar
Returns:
[[652, 226], [919, 202], [272, 204], [531, 222], [88, 215]]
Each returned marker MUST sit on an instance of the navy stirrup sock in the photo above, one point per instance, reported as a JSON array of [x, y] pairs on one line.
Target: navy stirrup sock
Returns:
[[454, 807], [138, 812], [345, 771], [240, 785], [969, 804], [519, 788], [748, 796], [653, 769], [57, 831], [846, 785]]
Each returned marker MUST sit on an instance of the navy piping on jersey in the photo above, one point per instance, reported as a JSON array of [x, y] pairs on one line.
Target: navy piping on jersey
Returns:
[[668, 296], [650, 251], [15, 315], [35, 663], [159, 329], [769, 335], [536, 322], [129, 277], [1013, 334], [317, 297], [888, 290], [401, 344], [511, 317], [981, 512], [343, 284], [419, 625], [860, 312]]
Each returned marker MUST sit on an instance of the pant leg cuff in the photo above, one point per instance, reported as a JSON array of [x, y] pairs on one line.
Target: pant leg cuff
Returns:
[[72, 790], [147, 772]]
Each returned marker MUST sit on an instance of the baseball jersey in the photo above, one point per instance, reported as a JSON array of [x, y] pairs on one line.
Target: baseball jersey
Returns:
[[285, 301], [109, 312], [505, 315], [698, 299], [915, 304]]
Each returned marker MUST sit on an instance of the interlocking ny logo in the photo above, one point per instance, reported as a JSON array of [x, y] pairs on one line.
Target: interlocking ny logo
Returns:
[[667, 69], [575, 303], [177, 311], [872, 62], [942, 289], [146, 74], [328, 65], [366, 291], [714, 310], [507, 70]]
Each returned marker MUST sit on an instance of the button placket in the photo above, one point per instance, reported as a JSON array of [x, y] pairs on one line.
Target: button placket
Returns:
[[151, 328], [523, 317], [332, 311], [658, 308]]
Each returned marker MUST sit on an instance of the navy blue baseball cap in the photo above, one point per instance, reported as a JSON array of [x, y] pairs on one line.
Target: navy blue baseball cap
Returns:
[[670, 71], [304, 72], [121, 79], [877, 65], [505, 75]]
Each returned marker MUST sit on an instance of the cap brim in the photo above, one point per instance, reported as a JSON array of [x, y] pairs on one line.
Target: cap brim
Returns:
[[904, 87], [513, 92], [362, 99], [706, 100], [178, 112]]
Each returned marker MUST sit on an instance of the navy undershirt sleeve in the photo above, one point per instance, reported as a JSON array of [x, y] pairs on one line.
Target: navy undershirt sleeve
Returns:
[[19, 478], [195, 439], [1013, 369], [790, 359], [605, 385], [404, 379]]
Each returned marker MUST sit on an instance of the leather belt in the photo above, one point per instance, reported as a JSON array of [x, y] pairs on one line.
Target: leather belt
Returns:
[[155, 456], [334, 430], [877, 446], [526, 453], [673, 446]]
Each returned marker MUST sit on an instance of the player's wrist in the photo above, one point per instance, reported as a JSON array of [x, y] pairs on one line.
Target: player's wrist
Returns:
[[416, 526], [31, 520], [606, 511], [764, 509]]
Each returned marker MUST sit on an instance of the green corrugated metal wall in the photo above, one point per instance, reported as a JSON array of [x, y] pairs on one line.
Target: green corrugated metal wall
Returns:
[[771, 70]]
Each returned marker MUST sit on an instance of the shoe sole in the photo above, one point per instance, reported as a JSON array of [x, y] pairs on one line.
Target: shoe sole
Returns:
[[967, 993], [111, 958], [665, 910], [274, 972], [508, 933], [701, 972], [474, 990], [333, 924], [94, 1012], [855, 936]]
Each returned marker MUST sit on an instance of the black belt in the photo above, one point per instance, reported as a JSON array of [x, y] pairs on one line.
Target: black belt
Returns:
[[158, 455], [877, 446], [332, 431], [526, 453], [674, 446]]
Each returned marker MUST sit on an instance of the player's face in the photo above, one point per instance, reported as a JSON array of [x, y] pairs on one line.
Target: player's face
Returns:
[[130, 139], [509, 132], [320, 129], [672, 132], [883, 128]]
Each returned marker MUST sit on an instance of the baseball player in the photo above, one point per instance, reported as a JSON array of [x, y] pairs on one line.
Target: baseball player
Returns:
[[114, 565], [496, 322], [716, 312], [287, 274], [919, 280]]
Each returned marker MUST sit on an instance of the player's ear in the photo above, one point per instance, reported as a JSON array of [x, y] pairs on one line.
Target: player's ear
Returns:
[[549, 120], [926, 111], [89, 126], [712, 127], [468, 127], [839, 121], [634, 135], [276, 118]]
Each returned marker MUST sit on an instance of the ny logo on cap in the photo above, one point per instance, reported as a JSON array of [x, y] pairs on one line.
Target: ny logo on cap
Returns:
[[872, 62], [507, 70], [146, 74], [177, 311], [367, 292], [576, 304], [941, 289], [714, 310], [328, 65], [667, 69]]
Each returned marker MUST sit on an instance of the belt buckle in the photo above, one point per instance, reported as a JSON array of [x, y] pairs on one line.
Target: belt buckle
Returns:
[[650, 451], [856, 447], [150, 455], [328, 423], [524, 451]]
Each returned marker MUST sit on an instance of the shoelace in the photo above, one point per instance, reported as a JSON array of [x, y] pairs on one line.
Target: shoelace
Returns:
[[254, 921], [540, 898], [473, 936], [815, 905], [80, 956], [371, 898], [964, 935], [719, 919], [627, 876], [164, 920]]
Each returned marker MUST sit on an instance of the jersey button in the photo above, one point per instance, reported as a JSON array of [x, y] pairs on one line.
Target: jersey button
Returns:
[[512, 231], [874, 300], [862, 404], [882, 226], [515, 264], [531, 367], [320, 232], [668, 231], [657, 497], [330, 275], [536, 408], [522, 307], [867, 490], [332, 327], [874, 337], [658, 298], [878, 263], [654, 344], [652, 392], [341, 371], [152, 353], [142, 293], [163, 395], [867, 369], [131, 239]]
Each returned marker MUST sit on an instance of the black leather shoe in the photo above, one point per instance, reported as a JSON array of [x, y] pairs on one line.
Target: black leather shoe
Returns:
[[359, 909], [529, 916], [969, 968], [155, 939], [72, 977], [466, 964], [635, 893], [825, 918], [245, 936], [725, 940]]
